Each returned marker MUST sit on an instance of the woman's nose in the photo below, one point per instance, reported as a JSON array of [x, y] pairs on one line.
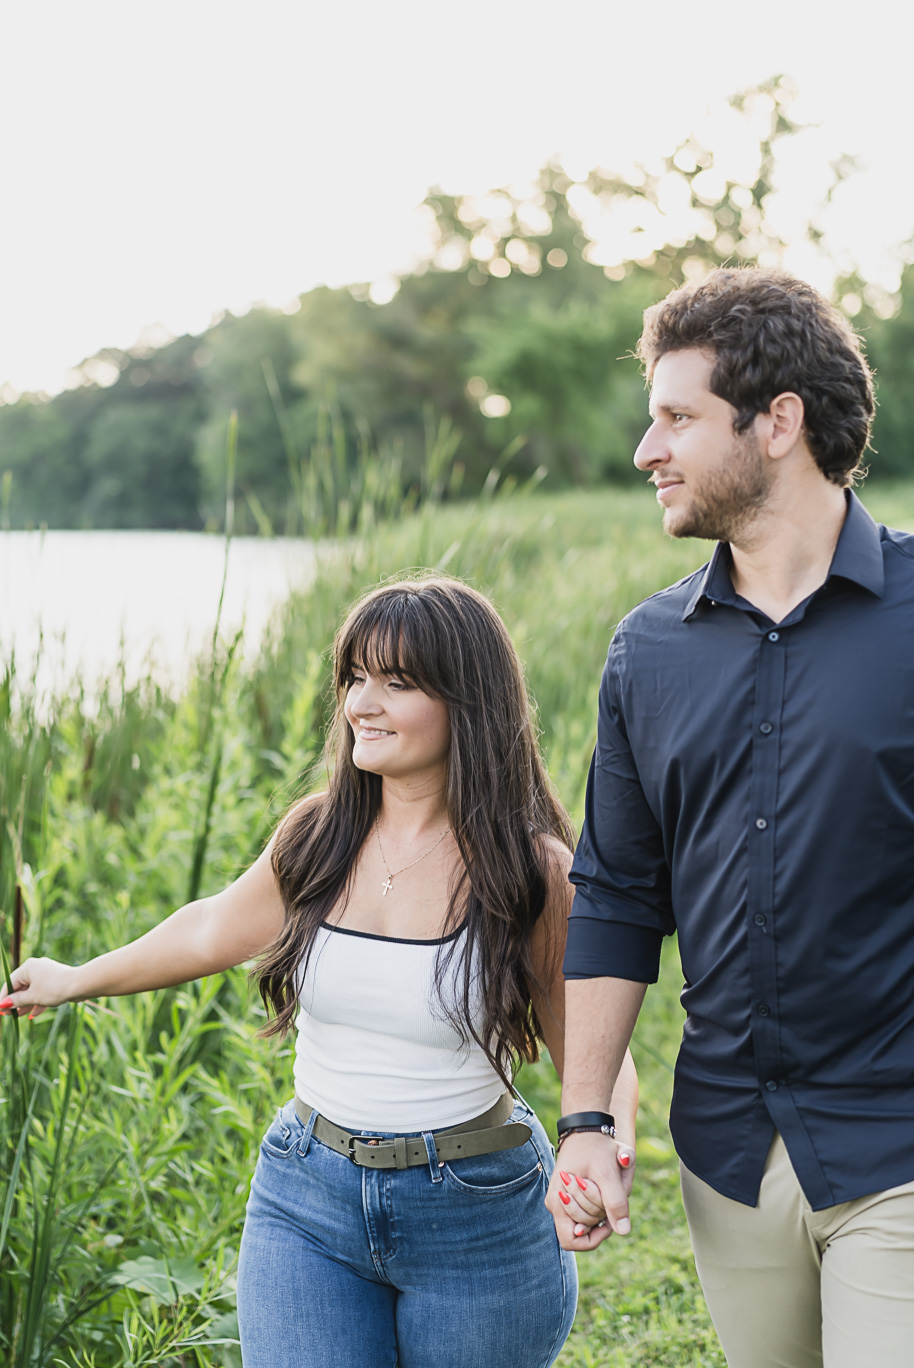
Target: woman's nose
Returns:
[[365, 700]]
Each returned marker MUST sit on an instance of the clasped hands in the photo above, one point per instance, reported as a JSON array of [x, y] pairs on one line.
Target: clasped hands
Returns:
[[589, 1190]]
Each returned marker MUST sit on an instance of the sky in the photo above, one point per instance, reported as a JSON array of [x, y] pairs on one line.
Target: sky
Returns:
[[162, 163]]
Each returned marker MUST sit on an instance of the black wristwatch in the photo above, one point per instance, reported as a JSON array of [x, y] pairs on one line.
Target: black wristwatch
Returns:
[[595, 1121]]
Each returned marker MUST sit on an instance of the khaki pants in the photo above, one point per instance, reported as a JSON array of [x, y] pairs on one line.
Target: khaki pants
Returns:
[[788, 1287]]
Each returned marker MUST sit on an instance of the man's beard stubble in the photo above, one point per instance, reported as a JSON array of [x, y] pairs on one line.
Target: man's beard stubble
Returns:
[[727, 499]]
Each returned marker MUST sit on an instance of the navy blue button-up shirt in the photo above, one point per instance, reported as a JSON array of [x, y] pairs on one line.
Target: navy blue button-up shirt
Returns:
[[752, 789]]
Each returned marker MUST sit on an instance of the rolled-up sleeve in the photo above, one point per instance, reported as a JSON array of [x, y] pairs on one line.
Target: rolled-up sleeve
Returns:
[[622, 907]]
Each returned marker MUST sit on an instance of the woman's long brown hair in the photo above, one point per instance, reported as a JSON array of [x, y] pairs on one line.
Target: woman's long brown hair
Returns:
[[447, 639]]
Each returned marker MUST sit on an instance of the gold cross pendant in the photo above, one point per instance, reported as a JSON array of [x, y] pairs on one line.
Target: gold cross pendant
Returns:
[[386, 887]]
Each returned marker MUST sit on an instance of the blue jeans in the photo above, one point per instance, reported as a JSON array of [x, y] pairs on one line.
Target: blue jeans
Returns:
[[450, 1266]]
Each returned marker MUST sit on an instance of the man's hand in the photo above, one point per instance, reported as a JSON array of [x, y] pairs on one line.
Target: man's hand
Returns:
[[589, 1191]]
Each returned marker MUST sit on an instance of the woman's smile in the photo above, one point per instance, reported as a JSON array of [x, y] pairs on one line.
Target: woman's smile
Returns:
[[367, 733]]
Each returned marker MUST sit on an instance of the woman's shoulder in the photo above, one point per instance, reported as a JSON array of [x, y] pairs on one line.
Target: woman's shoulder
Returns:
[[556, 856]]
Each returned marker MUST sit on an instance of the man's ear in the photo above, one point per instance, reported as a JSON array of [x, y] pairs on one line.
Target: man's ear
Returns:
[[781, 427]]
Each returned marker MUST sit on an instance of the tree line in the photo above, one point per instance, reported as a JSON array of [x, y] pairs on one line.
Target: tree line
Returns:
[[502, 351]]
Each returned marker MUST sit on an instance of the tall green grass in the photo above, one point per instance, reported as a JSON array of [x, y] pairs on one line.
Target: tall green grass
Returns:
[[340, 486]]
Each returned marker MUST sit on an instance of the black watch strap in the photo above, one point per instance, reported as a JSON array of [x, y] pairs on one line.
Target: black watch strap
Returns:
[[588, 1120]]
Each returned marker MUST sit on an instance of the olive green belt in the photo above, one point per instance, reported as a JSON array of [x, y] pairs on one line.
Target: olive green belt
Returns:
[[485, 1134]]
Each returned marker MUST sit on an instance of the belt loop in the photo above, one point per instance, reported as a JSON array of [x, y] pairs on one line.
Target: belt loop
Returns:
[[305, 1141], [400, 1152], [434, 1164]]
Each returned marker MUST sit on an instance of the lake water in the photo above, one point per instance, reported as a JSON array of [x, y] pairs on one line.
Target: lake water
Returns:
[[152, 596]]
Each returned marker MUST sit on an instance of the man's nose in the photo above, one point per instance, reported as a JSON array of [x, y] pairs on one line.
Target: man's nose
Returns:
[[652, 449]]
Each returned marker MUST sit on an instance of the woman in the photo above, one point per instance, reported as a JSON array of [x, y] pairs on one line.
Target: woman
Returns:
[[410, 923]]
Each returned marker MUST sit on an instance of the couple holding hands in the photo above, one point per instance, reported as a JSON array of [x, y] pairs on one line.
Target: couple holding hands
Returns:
[[423, 924]]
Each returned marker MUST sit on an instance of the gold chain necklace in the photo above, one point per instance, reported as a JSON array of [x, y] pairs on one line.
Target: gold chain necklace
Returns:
[[387, 885]]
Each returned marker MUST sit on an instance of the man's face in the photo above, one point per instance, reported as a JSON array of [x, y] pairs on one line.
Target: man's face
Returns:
[[710, 481]]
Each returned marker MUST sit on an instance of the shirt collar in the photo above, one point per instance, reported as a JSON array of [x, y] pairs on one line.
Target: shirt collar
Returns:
[[715, 584], [858, 557]]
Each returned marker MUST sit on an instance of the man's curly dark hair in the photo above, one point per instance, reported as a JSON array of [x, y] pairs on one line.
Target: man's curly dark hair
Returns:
[[769, 334]]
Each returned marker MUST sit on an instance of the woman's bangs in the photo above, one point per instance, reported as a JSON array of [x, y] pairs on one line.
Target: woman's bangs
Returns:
[[380, 642]]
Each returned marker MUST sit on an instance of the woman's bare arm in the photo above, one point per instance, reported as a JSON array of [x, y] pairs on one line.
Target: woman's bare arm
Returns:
[[201, 938]]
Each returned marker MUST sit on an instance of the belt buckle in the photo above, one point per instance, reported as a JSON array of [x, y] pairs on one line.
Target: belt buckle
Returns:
[[365, 1140]]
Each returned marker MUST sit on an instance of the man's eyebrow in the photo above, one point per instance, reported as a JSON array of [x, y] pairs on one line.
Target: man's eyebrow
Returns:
[[653, 409]]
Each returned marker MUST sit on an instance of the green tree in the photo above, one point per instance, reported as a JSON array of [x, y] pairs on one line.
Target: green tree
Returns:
[[889, 345], [234, 355], [42, 447]]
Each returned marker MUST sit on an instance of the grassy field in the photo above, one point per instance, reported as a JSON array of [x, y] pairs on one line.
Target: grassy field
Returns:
[[129, 1128]]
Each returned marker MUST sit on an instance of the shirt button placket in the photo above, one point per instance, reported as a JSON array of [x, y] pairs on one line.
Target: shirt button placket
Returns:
[[766, 755]]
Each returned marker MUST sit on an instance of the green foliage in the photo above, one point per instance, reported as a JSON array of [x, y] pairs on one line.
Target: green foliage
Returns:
[[157, 432], [580, 414], [890, 347]]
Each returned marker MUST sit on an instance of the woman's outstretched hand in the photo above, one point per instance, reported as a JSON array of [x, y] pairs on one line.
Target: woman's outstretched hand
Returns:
[[36, 985], [589, 1192]]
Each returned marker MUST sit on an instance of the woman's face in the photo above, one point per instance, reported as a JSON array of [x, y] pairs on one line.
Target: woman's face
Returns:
[[399, 731]]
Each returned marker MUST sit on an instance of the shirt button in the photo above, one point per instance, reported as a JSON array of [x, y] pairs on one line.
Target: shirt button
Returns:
[[761, 823], [766, 728], [764, 1009], [774, 636], [771, 1085], [759, 919]]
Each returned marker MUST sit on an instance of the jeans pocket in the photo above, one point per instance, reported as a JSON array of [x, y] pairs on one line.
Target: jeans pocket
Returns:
[[495, 1175], [283, 1133]]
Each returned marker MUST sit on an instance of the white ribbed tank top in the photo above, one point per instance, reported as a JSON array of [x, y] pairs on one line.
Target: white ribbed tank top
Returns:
[[374, 1050]]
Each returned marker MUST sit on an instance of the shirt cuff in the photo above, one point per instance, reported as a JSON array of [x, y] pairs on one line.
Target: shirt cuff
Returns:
[[609, 949]]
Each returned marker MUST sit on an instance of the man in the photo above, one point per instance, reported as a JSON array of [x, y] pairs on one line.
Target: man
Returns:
[[752, 789]]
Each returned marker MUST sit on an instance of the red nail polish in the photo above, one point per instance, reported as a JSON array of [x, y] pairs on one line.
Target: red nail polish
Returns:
[[625, 1160], [7, 1002], [581, 1184], [563, 1197], [565, 1177]]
